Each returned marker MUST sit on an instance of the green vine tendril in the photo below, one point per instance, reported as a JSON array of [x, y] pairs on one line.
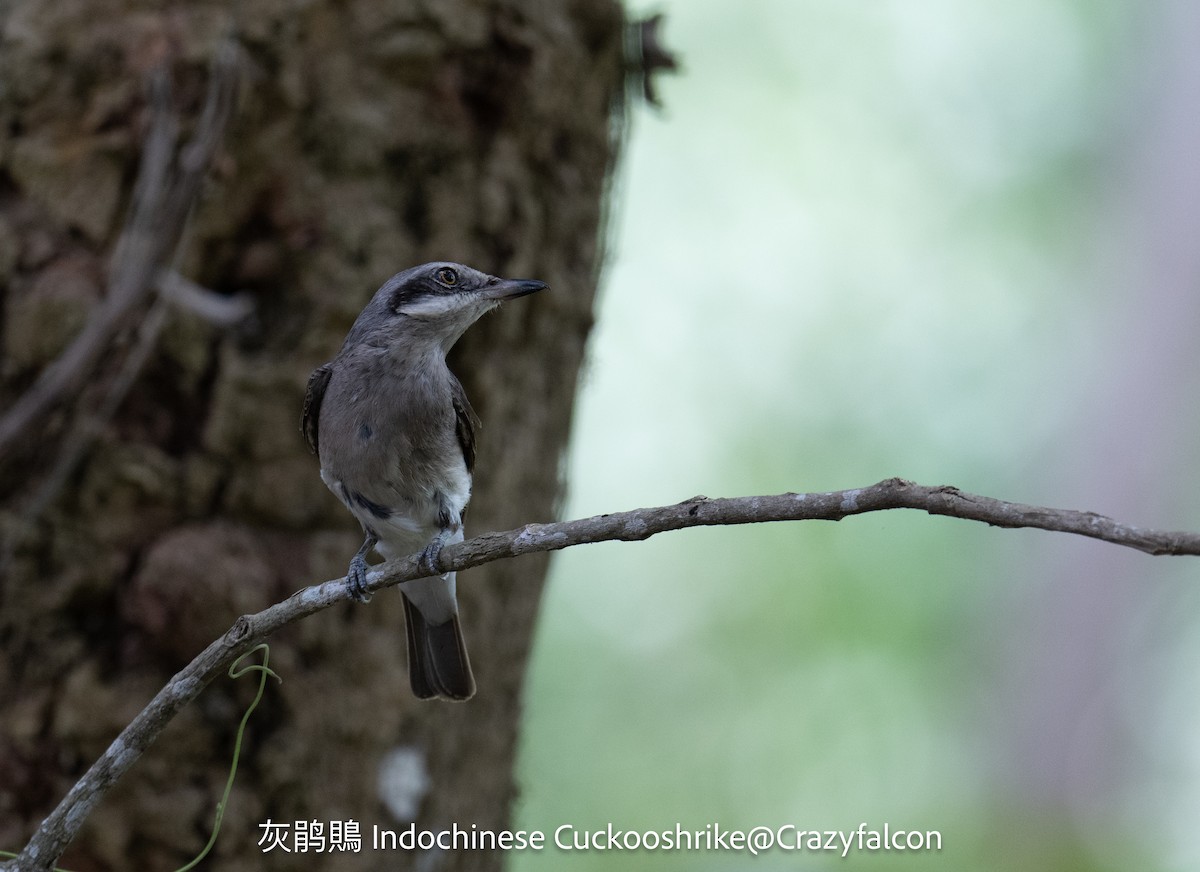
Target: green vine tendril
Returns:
[[263, 671], [234, 672]]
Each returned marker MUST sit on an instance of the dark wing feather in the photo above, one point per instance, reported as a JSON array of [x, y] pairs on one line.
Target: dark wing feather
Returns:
[[310, 418], [465, 423]]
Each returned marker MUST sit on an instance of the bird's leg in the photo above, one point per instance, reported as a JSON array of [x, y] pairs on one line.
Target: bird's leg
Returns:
[[358, 569], [449, 525]]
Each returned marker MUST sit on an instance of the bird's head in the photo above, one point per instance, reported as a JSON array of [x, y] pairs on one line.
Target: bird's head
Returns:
[[437, 302]]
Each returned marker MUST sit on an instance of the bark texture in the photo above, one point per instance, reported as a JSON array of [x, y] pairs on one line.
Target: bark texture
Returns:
[[369, 137]]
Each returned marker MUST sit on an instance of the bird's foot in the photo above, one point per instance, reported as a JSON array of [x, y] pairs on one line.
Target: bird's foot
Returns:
[[429, 557], [356, 575], [358, 578]]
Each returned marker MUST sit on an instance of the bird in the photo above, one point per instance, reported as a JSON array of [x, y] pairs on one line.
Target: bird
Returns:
[[394, 434]]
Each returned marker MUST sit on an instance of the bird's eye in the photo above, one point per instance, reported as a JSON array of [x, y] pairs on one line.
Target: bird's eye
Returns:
[[447, 277]]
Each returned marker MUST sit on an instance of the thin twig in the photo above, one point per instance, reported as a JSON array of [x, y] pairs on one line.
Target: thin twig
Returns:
[[220, 310], [60, 827]]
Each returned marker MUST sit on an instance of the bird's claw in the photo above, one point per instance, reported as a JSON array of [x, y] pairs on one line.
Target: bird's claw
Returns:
[[358, 579], [429, 557]]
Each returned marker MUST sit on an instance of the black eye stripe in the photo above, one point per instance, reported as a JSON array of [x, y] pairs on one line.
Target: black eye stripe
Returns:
[[431, 282]]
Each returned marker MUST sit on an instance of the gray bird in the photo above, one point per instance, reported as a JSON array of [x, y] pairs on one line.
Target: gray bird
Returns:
[[395, 436]]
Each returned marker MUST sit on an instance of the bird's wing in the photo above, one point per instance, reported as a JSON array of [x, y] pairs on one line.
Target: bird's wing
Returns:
[[311, 416], [465, 423]]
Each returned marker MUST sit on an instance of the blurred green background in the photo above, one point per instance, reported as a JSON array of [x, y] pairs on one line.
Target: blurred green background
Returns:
[[948, 241]]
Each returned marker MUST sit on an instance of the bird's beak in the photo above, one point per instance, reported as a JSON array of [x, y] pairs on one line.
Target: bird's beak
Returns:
[[510, 289]]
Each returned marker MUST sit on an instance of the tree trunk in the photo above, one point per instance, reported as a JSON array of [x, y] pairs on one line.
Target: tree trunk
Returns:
[[369, 137]]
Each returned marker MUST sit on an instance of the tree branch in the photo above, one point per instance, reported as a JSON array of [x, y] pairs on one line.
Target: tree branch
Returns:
[[60, 827]]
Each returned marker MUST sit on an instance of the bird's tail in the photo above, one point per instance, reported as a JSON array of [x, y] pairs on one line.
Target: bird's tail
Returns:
[[437, 657]]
